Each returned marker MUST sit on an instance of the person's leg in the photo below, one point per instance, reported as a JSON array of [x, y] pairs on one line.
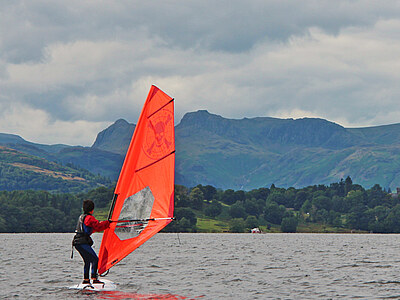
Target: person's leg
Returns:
[[92, 258], [86, 256]]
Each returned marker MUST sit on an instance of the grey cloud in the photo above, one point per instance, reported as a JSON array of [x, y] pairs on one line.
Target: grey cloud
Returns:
[[89, 63], [28, 26]]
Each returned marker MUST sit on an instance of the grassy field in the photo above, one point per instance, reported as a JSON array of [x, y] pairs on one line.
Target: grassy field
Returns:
[[210, 225]]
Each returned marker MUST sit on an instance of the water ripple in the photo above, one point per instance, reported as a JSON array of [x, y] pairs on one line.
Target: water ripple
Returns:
[[211, 266]]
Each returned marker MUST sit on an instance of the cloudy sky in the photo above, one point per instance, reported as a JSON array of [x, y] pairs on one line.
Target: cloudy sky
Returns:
[[69, 69]]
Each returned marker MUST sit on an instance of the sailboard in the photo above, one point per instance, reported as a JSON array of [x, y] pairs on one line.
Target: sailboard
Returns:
[[107, 285], [143, 201]]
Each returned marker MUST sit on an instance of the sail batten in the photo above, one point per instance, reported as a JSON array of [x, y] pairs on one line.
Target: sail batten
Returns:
[[173, 152], [144, 195], [160, 108]]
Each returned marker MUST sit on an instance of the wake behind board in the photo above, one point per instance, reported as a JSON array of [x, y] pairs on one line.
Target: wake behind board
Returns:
[[107, 286]]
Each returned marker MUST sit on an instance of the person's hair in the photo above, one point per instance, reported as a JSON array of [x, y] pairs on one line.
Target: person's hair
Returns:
[[88, 206]]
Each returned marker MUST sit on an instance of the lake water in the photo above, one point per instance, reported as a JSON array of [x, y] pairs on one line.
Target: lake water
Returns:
[[211, 266]]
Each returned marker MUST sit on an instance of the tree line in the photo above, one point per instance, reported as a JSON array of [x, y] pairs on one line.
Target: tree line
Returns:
[[41, 211], [342, 205]]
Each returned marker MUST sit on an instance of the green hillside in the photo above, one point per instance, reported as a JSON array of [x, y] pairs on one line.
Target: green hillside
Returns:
[[21, 171], [252, 153], [97, 161], [247, 153]]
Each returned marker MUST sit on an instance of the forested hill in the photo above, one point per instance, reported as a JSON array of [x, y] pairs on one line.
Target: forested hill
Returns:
[[248, 153], [20, 171]]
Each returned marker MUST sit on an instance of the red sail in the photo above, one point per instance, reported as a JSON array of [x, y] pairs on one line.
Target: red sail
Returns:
[[144, 196]]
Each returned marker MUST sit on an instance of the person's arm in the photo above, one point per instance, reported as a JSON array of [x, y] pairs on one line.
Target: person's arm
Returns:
[[96, 225]]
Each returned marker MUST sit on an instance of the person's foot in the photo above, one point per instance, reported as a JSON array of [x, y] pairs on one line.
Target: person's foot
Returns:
[[86, 281], [95, 280]]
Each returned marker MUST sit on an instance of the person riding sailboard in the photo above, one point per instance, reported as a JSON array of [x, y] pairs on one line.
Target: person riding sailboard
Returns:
[[143, 202], [87, 224]]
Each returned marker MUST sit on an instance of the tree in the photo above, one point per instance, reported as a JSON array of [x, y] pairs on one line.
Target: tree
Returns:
[[335, 219], [322, 202], [228, 197], [353, 199], [252, 207], [290, 196], [348, 185], [338, 188], [181, 196], [209, 192], [377, 218], [237, 225], [213, 209], [321, 216], [185, 221], [306, 207], [101, 196], [376, 196], [184, 225], [301, 197], [237, 210], [3, 225], [289, 224], [260, 194], [337, 204], [273, 213], [186, 213], [392, 221], [251, 222], [240, 196], [358, 219], [196, 198], [276, 197]]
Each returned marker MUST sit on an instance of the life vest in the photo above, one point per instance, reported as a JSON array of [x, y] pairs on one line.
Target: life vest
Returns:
[[82, 232]]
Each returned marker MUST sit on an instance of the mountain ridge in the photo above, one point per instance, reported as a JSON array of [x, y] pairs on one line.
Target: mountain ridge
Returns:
[[251, 152], [113, 138]]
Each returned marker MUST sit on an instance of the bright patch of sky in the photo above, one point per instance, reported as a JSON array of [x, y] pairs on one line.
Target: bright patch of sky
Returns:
[[69, 69]]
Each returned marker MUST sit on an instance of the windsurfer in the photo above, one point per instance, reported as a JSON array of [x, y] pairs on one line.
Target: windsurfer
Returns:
[[87, 224]]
